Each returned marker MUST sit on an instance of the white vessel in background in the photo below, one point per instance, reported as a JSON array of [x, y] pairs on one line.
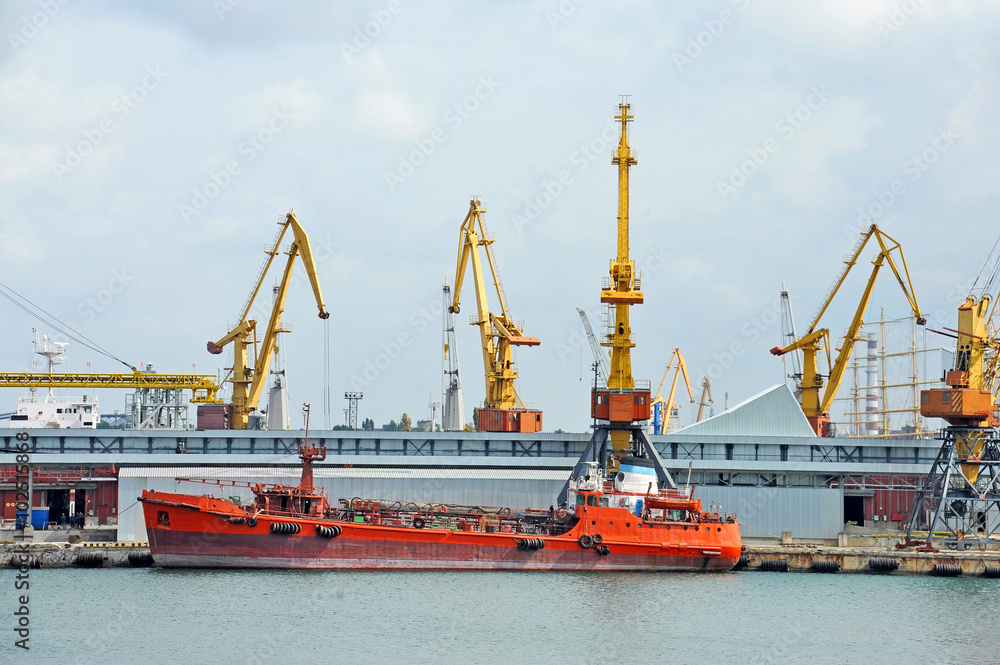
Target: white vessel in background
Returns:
[[54, 411]]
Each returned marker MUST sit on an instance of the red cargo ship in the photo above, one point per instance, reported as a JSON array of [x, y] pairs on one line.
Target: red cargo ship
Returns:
[[606, 525]]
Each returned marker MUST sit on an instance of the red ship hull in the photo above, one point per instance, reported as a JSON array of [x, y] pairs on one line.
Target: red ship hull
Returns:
[[192, 531]]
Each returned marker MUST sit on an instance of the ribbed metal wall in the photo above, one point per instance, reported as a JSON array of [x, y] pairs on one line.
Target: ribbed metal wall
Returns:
[[764, 512]]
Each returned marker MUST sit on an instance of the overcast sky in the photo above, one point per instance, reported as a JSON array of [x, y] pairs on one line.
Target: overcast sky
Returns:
[[148, 149]]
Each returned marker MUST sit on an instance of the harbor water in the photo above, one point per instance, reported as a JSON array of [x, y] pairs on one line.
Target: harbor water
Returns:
[[83, 616]]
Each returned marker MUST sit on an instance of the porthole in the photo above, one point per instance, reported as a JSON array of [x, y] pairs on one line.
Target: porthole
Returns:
[[628, 524]]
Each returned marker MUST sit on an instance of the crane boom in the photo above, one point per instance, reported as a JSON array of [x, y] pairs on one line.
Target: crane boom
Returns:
[[499, 334], [603, 370], [248, 381], [816, 404], [706, 397], [202, 386]]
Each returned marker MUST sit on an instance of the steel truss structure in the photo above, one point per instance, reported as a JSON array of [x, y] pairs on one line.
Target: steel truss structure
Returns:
[[598, 450], [954, 510]]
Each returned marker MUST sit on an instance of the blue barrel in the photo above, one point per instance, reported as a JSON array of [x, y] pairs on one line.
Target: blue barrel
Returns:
[[638, 508], [39, 516]]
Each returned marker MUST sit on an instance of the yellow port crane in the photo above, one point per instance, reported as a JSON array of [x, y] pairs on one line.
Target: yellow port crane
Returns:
[[663, 410], [968, 404], [706, 398], [816, 402], [503, 410], [248, 380], [959, 502], [620, 408]]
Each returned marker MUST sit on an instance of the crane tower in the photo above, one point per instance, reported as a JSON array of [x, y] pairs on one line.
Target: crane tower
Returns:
[[621, 407], [453, 419]]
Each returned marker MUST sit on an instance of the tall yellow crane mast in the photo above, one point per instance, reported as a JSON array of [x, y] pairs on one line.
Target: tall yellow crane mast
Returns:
[[622, 406], [816, 402], [663, 410], [248, 380], [621, 403], [503, 410]]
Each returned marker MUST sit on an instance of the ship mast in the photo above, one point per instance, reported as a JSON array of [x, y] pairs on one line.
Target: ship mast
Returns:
[[308, 453]]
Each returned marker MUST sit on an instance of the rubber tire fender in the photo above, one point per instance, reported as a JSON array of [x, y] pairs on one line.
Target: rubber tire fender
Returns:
[[251, 522], [419, 522], [585, 541], [598, 539]]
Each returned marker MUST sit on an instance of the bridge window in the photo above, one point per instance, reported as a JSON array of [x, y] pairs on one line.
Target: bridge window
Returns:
[[591, 500]]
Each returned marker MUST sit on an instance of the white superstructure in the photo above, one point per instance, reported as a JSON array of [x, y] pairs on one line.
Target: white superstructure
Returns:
[[55, 411]]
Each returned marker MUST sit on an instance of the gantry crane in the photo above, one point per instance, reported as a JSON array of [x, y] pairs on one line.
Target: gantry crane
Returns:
[[664, 410], [815, 401], [248, 379], [621, 408], [503, 410], [962, 490], [706, 398]]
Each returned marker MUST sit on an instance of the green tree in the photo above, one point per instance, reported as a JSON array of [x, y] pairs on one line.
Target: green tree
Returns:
[[368, 424], [405, 424], [475, 418], [393, 426]]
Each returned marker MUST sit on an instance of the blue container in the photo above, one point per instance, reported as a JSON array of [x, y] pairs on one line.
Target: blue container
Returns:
[[20, 519], [638, 508], [39, 516]]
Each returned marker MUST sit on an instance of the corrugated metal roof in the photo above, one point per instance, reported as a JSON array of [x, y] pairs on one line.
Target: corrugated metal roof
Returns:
[[262, 473], [773, 412]]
